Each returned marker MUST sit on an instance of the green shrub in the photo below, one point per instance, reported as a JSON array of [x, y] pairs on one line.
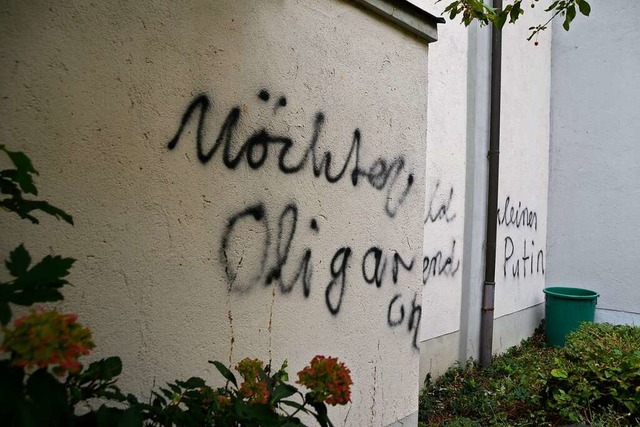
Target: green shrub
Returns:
[[598, 370], [506, 394], [593, 380]]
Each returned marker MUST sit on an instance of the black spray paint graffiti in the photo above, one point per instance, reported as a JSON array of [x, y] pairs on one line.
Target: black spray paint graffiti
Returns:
[[376, 275], [275, 257], [531, 262], [396, 315], [272, 265], [436, 263], [528, 257], [374, 264], [442, 212], [388, 175], [270, 247], [517, 217]]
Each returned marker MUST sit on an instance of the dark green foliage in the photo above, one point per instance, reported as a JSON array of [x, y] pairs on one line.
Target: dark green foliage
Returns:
[[97, 380], [507, 393], [42, 281], [598, 368], [193, 403], [478, 10], [32, 284], [41, 398], [595, 379], [15, 182], [225, 372]]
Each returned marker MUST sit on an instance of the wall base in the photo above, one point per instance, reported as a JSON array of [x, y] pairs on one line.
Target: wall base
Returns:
[[438, 354], [510, 329], [616, 317], [410, 420]]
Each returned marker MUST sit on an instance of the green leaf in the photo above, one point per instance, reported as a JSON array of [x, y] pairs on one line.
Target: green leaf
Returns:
[[293, 422], [283, 391], [106, 416], [31, 205], [568, 17], [159, 400], [559, 373], [552, 6], [224, 371], [515, 12], [15, 183], [193, 382], [104, 369], [282, 374], [5, 313], [502, 19], [11, 392], [8, 186], [18, 262], [24, 169], [132, 400], [48, 272], [109, 417], [49, 396], [584, 7], [14, 205], [293, 404], [32, 296], [23, 208], [29, 415], [20, 160], [175, 389], [131, 417], [321, 409]]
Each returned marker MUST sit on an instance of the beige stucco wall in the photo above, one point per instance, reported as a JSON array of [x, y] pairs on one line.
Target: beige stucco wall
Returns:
[[173, 250]]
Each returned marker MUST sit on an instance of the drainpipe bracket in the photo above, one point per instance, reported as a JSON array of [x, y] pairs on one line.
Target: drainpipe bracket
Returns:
[[488, 296]]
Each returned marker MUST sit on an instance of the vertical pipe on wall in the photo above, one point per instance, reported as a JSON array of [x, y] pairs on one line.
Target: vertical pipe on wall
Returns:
[[488, 289]]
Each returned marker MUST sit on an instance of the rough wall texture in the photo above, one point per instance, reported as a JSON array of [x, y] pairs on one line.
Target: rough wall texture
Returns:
[[458, 132], [594, 189], [444, 199], [524, 170], [190, 140]]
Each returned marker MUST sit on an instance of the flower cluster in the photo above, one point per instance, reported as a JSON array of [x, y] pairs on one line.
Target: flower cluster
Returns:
[[254, 386], [328, 380], [48, 338], [223, 400]]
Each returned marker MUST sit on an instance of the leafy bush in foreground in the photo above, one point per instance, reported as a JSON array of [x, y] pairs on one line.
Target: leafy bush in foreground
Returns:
[[507, 393], [598, 368], [595, 380]]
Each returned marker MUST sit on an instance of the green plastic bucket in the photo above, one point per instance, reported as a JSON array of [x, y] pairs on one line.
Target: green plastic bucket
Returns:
[[565, 310]]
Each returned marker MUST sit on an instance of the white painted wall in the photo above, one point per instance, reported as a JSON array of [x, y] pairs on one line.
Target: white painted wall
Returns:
[[458, 129], [446, 171], [594, 190], [445, 192], [174, 251], [524, 158]]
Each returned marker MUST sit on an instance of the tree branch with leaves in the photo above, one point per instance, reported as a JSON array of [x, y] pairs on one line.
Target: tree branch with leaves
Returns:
[[477, 10]]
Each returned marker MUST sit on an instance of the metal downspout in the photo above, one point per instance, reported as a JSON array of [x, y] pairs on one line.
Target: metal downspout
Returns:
[[488, 289]]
